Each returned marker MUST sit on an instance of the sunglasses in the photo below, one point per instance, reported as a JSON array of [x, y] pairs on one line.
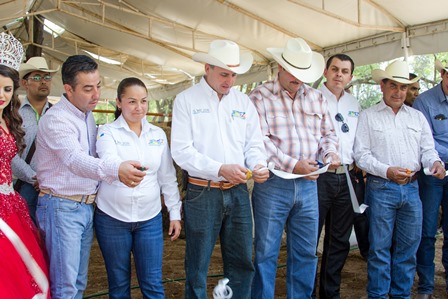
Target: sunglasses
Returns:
[[38, 78], [340, 118]]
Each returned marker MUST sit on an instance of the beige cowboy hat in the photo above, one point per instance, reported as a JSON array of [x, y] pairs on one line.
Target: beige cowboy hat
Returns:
[[396, 71], [226, 54], [35, 64], [298, 60], [439, 66]]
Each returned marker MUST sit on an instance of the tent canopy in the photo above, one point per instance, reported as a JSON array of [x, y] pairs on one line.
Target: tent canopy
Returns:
[[155, 39]]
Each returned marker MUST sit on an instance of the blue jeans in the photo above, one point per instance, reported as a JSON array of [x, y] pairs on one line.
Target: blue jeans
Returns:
[[30, 195], [117, 239], [67, 228], [209, 213], [292, 202], [395, 219], [433, 193]]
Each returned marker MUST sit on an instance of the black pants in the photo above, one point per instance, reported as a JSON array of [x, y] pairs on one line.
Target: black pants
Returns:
[[336, 212]]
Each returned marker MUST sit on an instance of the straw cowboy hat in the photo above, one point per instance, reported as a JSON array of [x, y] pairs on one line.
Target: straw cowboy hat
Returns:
[[298, 60], [35, 64], [439, 66], [396, 71], [226, 54]]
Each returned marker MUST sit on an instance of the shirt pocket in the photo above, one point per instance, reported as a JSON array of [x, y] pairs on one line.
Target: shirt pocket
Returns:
[[414, 135], [277, 123], [439, 121], [312, 123]]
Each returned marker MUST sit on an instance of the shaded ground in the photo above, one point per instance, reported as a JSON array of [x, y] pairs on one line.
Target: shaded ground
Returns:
[[354, 276]]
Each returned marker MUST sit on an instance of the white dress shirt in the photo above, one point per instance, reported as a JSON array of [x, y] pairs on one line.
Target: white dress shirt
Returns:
[[349, 108], [208, 132], [117, 142], [65, 152], [385, 139]]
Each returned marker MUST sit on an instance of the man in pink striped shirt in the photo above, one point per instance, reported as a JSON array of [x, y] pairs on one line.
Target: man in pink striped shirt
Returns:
[[297, 131]]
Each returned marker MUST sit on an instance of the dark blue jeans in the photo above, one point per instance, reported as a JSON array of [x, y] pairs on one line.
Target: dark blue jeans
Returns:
[[433, 193], [336, 212], [209, 213], [117, 239], [30, 195]]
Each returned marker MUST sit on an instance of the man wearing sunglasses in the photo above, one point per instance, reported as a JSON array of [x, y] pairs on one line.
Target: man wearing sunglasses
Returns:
[[36, 79], [335, 207]]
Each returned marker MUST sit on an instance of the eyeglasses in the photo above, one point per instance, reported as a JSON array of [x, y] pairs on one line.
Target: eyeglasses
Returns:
[[38, 78], [340, 118]]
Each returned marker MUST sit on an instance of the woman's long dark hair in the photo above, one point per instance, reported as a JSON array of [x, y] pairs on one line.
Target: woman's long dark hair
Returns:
[[125, 83], [11, 112]]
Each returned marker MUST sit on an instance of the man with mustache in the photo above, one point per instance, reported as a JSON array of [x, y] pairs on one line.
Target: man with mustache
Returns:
[[36, 79], [297, 130]]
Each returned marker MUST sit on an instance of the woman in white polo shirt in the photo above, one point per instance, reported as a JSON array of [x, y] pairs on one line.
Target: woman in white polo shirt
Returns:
[[129, 219]]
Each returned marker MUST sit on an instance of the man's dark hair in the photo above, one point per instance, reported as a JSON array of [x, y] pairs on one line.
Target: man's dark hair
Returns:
[[341, 57], [74, 65]]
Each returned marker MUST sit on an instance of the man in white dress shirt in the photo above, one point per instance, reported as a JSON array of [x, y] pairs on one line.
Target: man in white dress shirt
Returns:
[[216, 138], [393, 140]]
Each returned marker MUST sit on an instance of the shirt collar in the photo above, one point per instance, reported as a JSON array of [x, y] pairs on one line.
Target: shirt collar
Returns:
[[72, 108], [278, 89], [382, 106], [120, 122]]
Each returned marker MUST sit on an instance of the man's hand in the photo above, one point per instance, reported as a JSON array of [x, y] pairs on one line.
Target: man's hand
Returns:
[[174, 230], [260, 173], [306, 166], [36, 184], [130, 174], [438, 170], [233, 173], [399, 175], [333, 159]]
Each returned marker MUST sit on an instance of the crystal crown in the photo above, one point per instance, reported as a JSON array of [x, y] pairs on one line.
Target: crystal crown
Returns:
[[11, 51]]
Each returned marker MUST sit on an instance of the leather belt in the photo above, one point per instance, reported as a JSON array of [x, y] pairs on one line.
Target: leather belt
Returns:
[[223, 185], [340, 169], [87, 199]]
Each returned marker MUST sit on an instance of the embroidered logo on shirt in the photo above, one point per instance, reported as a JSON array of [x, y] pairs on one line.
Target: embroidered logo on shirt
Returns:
[[353, 113], [155, 142], [99, 136], [199, 111], [122, 143], [238, 114]]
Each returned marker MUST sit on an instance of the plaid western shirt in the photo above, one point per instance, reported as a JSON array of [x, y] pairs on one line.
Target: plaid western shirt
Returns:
[[293, 129]]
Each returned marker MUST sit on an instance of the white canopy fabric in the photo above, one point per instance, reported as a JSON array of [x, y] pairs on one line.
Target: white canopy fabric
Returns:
[[155, 39]]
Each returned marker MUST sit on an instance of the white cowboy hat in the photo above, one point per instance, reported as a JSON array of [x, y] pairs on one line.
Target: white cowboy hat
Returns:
[[439, 66], [226, 54], [298, 60], [35, 64], [396, 71]]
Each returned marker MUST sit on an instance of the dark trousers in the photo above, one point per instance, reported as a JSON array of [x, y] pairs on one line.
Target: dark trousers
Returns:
[[336, 211], [361, 224]]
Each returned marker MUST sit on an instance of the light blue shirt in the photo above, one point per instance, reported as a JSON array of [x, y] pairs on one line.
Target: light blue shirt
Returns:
[[20, 168], [433, 103]]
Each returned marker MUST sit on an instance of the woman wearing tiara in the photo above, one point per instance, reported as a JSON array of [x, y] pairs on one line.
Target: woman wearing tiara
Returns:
[[23, 269]]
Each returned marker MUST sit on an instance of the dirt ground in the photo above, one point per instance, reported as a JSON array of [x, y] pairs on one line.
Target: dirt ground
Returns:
[[354, 275]]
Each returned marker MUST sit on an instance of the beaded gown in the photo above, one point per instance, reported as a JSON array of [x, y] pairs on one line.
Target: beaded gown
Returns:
[[16, 281]]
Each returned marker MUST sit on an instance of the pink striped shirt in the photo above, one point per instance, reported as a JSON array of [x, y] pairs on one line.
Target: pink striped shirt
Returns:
[[67, 163], [293, 129]]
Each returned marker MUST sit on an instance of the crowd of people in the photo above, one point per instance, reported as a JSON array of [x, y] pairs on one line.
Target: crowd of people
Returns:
[[313, 155]]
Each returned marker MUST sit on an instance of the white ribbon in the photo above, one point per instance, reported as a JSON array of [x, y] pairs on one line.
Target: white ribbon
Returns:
[[427, 171], [290, 176], [356, 207], [39, 276]]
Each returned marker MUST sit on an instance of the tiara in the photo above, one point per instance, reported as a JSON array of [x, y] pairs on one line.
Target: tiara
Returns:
[[11, 51]]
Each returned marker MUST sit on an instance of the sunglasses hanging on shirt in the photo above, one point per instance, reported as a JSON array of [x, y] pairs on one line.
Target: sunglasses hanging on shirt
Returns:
[[344, 127]]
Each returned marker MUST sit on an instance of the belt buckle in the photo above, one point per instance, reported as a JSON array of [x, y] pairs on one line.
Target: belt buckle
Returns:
[[221, 186]]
